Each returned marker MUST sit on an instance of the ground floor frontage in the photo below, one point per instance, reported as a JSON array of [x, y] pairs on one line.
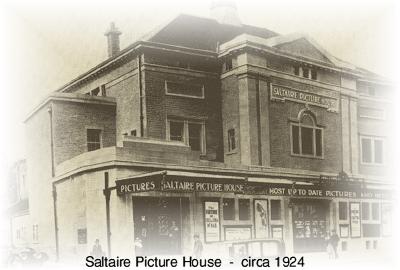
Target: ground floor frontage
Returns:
[[159, 212]]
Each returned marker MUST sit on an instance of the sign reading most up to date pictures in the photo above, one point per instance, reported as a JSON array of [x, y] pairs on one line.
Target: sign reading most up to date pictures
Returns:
[[284, 93]]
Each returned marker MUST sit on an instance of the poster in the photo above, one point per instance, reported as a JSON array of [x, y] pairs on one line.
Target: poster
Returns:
[[277, 231], [237, 233], [386, 219], [355, 222], [261, 218], [211, 218], [344, 230]]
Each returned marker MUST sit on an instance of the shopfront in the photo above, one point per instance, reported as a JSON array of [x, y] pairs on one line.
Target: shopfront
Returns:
[[170, 207]]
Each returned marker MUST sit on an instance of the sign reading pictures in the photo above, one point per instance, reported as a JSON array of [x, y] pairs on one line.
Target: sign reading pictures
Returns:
[[355, 221], [211, 221], [261, 218], [283, 93]]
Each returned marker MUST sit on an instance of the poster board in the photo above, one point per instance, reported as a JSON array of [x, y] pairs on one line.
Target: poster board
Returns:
[[211, 221], [355, 220], [261, 218]]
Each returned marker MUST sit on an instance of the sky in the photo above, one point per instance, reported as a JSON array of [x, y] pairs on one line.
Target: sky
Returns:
[[45, 44]]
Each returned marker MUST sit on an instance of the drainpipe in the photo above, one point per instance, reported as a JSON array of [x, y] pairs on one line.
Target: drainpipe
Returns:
[[107, 193], [140, 95], [54, 191]]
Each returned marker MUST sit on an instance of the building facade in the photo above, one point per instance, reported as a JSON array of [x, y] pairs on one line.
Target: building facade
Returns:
[[228, 131]]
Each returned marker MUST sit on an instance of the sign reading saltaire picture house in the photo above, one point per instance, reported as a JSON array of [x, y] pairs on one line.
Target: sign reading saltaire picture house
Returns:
[[239, 141]]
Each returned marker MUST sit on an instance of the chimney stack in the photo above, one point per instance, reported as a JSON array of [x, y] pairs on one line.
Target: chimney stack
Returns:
[[225, 12], [113, 40]]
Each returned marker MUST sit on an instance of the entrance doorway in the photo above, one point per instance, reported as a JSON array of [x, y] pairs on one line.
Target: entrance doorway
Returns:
[[310, 225], [158, 223]]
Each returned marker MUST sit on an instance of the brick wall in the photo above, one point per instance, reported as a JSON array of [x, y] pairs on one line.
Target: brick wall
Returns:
[[159, 106], [70, 121], [281, 112]]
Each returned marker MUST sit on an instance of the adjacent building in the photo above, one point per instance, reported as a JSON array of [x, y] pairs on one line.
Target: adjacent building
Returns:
[[216, 128]]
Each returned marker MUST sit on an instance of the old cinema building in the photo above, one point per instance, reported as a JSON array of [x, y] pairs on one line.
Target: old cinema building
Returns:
[[229, 131]]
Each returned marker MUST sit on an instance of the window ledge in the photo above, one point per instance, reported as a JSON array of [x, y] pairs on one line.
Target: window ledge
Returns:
[[231, 152], [306, 156]]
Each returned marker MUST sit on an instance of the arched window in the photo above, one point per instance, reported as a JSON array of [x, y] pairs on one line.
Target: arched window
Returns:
[[306, 136]]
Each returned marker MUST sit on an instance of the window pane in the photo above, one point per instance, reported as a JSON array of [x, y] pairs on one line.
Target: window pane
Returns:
[[375, 211], [193, 90], [307, 141], [176, 131], [295, 140], [93, 139], [318, 142], [275, 209], [366, 150], [244, 209], [229, 209], [365, 211], [195, 136], [378, 145], [343, 211], [313, 74], [231, 140]]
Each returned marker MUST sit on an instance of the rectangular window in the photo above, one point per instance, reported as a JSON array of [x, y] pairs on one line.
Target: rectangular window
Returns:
[[375, 211], [313, 74], [231, 140], [184, 89], [228, 64], [188, 132], [244, 209], [228, 205], [103, 90], [275, 209], [343, 211], [365, 211], [306, 140], [371, 150], [306, 72], [372, 113], [93, 139], [371, 91], [176, 131], [297, 70], [82, 236]]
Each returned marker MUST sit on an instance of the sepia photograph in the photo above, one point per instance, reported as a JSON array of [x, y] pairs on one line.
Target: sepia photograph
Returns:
[[191, 134]]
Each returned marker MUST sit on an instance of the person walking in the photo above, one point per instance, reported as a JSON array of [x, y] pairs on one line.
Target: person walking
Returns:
[[198, 246], [97, 251], [334, 241]]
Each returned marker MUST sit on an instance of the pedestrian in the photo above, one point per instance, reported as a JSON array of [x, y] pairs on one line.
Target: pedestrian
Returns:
[[138, 246], [97, 251], [198, 246], [334, 241], [329, 248]]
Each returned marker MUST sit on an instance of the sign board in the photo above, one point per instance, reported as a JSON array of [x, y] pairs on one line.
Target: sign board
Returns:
[[283, 93], [237, 233], [277, 231], [355, 221], [261, 218], [211, 221]]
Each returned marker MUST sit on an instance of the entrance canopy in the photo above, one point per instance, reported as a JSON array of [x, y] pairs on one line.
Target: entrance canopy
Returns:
[[181, 181]]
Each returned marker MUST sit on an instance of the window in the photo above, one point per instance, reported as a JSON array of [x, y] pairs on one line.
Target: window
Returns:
[[371, 150], [133, 132], [371, 90], [244, 209], [103, 91], [228, 64], [275, 209], [184, 89], [231, 140], [375, 211], [192, 133], [93, 139], [297, 70], [228, 205], [365, 211], [313, 74], [35, 232], [343, 211], [371, 113], [306, 137], [176, 131], [306, 72]]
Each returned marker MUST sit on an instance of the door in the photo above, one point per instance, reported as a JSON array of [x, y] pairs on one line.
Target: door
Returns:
[[309, 226], [158, 224]]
